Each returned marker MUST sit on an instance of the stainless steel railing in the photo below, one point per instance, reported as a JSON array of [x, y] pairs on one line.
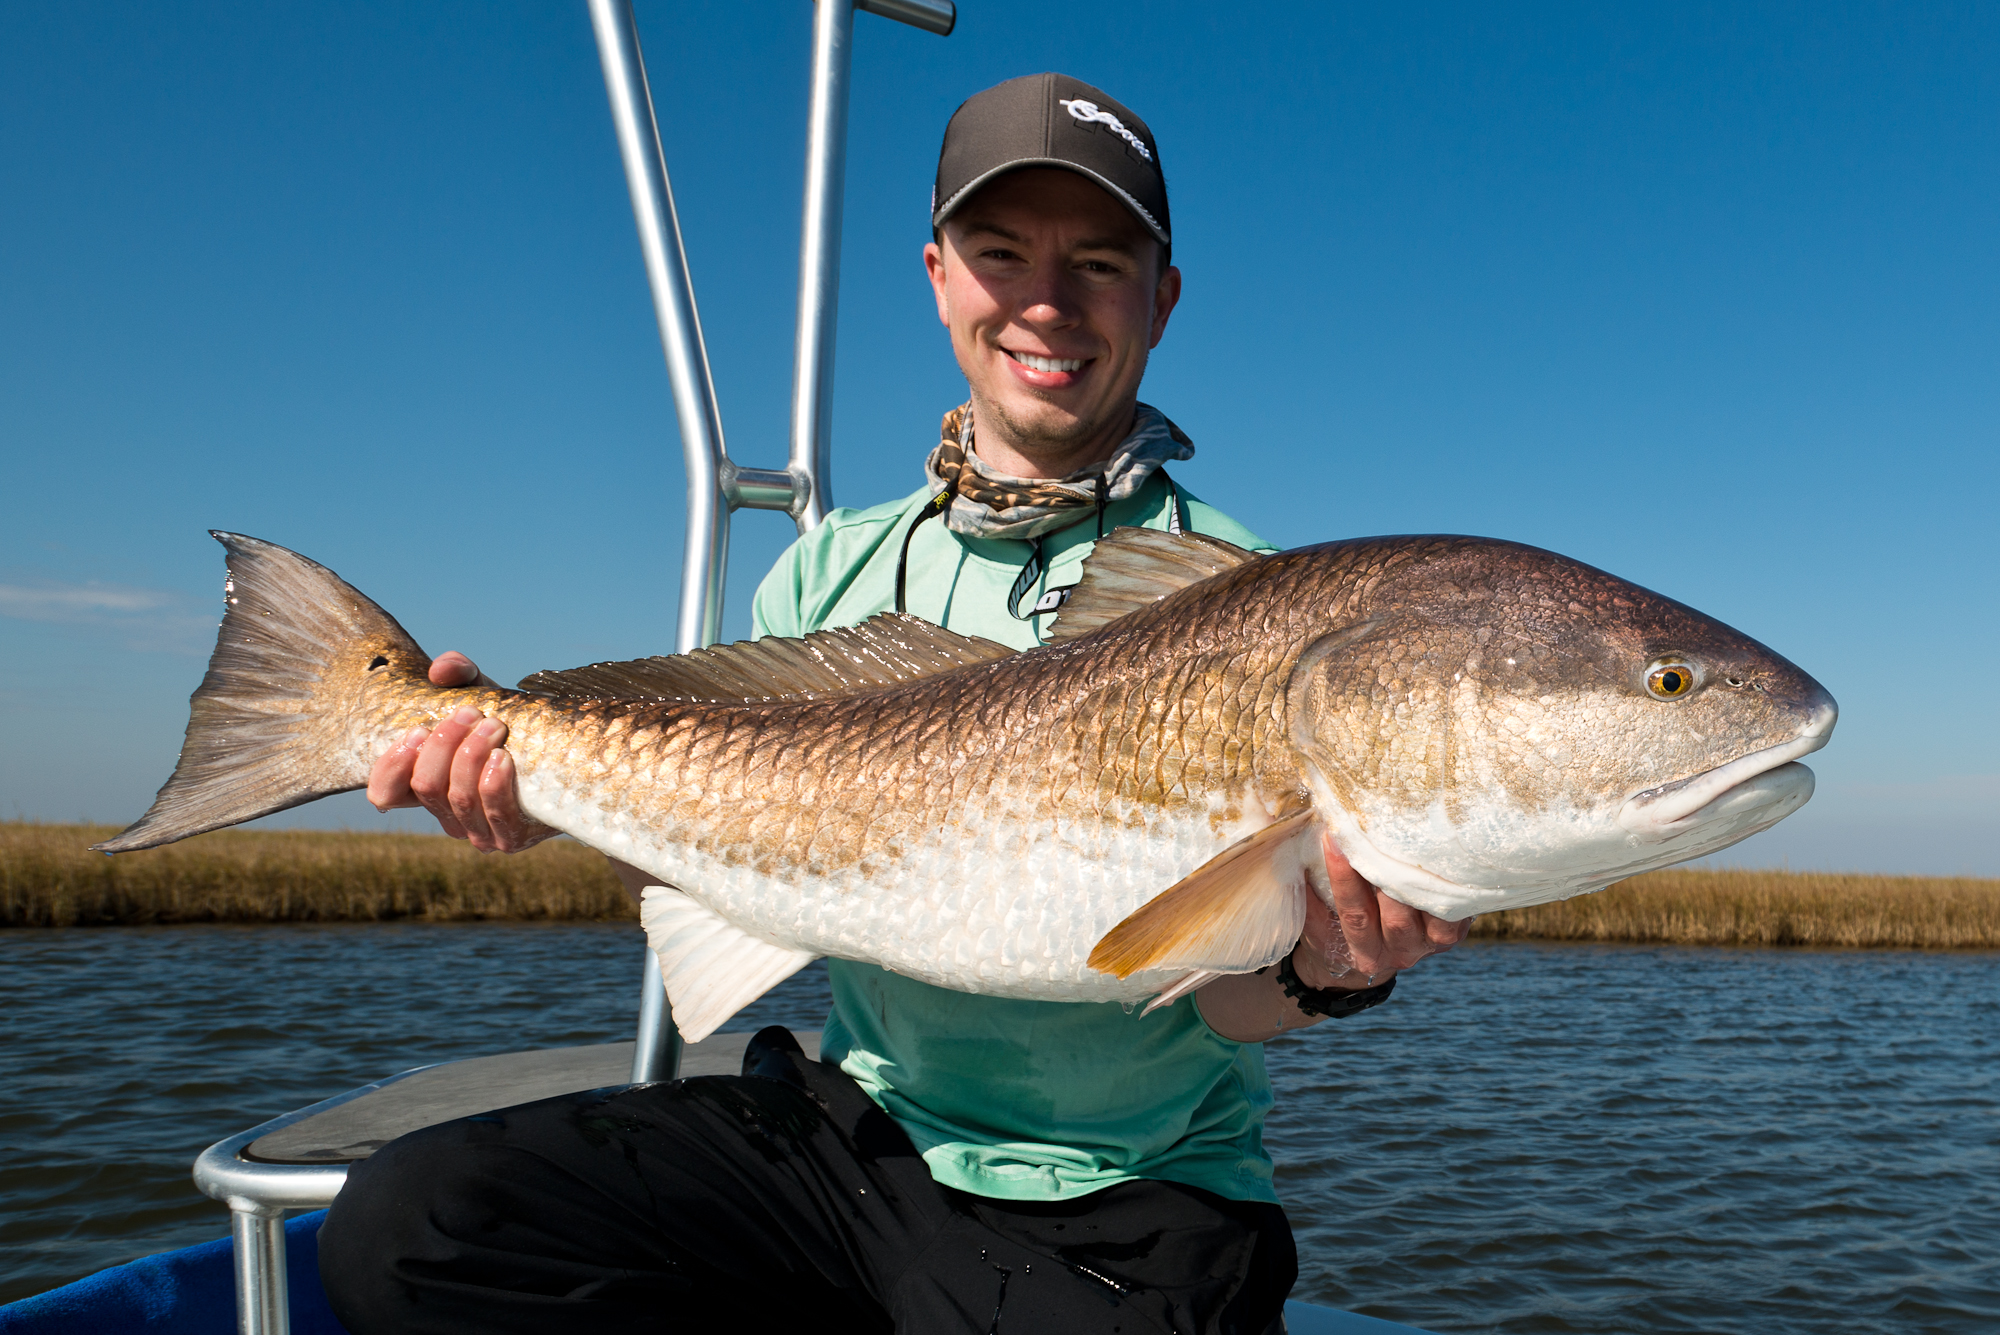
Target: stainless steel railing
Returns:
[[716, 484]]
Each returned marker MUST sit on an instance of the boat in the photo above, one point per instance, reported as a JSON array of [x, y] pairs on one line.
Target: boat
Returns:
[[265, 1275]]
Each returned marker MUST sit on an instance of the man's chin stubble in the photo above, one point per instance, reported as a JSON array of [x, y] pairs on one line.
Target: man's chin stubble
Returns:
[[1035, 439]]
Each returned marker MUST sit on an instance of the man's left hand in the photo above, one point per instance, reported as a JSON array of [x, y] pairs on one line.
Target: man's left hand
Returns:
[[1366, 936], [1361, 941]]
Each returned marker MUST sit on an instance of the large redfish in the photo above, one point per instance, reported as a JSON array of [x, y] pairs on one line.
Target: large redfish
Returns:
[[1119, 814]]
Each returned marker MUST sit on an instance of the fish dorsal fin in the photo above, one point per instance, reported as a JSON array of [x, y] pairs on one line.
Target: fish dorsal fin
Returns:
[[1135, 568], [1236, 913], [712, 968], [885, 650]]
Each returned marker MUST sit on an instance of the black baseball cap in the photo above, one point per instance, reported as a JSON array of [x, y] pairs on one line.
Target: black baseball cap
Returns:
[[1052, 120]]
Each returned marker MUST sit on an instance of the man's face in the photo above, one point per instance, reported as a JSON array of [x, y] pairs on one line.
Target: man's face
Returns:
[[1054, 296]]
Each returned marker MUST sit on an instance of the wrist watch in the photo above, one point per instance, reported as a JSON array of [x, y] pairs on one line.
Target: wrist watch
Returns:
[[1333, 1002]]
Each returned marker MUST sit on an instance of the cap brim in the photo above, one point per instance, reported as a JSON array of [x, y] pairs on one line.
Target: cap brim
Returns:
[[946, 209]]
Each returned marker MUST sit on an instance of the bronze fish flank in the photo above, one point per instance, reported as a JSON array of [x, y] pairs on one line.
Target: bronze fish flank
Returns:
[[1120, 814]]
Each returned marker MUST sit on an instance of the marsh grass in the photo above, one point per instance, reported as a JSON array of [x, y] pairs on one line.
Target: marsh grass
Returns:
[[49, 878], [1768, 908]]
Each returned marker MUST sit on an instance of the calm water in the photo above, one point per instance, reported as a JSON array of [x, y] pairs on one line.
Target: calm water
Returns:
[[1526, 1139]]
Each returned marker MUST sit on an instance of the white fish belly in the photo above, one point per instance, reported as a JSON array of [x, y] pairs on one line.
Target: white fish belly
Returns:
[[1004, 907]]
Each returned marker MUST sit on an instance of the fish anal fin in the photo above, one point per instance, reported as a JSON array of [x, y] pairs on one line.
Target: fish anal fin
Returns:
[[1136, 567], [712, 968], [886, 650], [1236, 913]]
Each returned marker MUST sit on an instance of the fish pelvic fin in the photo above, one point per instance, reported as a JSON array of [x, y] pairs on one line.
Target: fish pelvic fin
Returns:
[[890, 649], [1134, 568], [1237, 912], [1185, 984], [266, 726], [712, 968]]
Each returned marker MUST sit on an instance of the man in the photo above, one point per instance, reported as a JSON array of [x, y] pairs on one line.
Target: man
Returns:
[[954, 1160]]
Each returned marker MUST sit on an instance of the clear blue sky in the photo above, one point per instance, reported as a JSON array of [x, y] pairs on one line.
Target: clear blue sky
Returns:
[[1707, 295]]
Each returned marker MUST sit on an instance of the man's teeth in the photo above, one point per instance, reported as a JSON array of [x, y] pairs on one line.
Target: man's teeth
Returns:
[[1034, 363]]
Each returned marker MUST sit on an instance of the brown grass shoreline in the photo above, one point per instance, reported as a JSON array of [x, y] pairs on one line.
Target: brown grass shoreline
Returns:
[[49, 878]]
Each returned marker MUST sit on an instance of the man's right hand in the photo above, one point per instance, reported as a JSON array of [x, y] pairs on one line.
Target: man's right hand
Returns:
[[459, 772]]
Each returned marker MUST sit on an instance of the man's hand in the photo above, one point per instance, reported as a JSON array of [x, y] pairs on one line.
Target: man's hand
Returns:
[[1372, 935], [1360, 942], [459, 772]]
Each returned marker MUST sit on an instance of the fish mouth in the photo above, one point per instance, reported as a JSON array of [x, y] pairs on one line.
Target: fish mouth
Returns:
[[1661, 813]]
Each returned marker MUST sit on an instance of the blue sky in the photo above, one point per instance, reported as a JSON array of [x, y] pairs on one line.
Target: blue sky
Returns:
[[1707, 296]]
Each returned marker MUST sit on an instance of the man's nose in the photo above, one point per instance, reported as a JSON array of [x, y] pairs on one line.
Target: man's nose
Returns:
[[1051, 300]]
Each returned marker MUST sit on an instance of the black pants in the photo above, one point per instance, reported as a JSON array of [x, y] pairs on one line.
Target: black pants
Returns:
[[782, 1199]]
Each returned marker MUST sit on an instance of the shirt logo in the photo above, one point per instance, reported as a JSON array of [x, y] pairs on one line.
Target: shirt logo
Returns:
[[1088, 112]]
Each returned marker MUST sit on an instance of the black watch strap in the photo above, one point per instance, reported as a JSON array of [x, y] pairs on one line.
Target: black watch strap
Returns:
[[1333, 1002]]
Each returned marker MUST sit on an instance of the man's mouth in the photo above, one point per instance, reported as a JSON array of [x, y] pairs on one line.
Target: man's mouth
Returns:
[[1046, 364]]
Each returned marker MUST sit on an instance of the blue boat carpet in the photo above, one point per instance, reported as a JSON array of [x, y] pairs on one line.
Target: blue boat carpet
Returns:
[[188, 1292]]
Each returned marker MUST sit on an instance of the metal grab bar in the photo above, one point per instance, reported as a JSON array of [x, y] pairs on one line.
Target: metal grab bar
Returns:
[[819, 257], [717, 485], [707, 550], [938, 16], [258, 1194]]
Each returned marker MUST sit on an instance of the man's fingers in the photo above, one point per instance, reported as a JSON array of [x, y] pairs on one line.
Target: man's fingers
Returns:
[[1405, 933], [452, 668], [1383, 934], [1444, 935], [468, 763], [389, 777], [496, 799], [513, 829], [1354, 905], [460, 773], [431, 780]]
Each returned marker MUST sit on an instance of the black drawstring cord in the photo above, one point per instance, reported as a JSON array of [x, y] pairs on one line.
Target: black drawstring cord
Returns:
[[938, 505], [1031, 569], [1174, 517]]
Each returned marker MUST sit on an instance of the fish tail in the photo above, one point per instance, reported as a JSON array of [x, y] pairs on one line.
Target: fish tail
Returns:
[[269, 726]]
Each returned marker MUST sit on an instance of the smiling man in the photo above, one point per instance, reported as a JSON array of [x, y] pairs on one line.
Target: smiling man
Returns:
[[954, 1162]]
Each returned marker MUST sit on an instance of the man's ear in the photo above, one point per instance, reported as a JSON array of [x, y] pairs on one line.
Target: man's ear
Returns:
[[934, 266], [1165, 297]]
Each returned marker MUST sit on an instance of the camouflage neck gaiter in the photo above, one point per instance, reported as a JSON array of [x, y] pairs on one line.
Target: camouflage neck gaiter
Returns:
[[990, 504]]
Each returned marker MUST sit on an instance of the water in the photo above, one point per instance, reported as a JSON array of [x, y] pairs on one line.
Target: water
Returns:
[[127, 1051], [1526, 1139], [1574, 1138]]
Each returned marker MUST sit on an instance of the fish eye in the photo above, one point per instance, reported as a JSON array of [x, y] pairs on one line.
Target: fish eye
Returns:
[[1670, 679]]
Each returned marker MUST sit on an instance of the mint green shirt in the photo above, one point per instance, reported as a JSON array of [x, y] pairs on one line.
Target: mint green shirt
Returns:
[[1020, 1100]]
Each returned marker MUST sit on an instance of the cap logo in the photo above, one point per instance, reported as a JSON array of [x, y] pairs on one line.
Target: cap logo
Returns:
[[1088, 112]]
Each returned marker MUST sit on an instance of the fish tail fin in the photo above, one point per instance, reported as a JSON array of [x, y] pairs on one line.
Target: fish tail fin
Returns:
[[267, 727]]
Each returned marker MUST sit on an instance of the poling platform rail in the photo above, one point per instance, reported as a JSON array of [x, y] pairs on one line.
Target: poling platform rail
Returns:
[[717, 485]]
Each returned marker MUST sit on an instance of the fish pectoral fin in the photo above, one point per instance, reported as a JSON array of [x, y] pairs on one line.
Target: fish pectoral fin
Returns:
[[890, 649], [1135, 568], [1238, 912], [712, 968]]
